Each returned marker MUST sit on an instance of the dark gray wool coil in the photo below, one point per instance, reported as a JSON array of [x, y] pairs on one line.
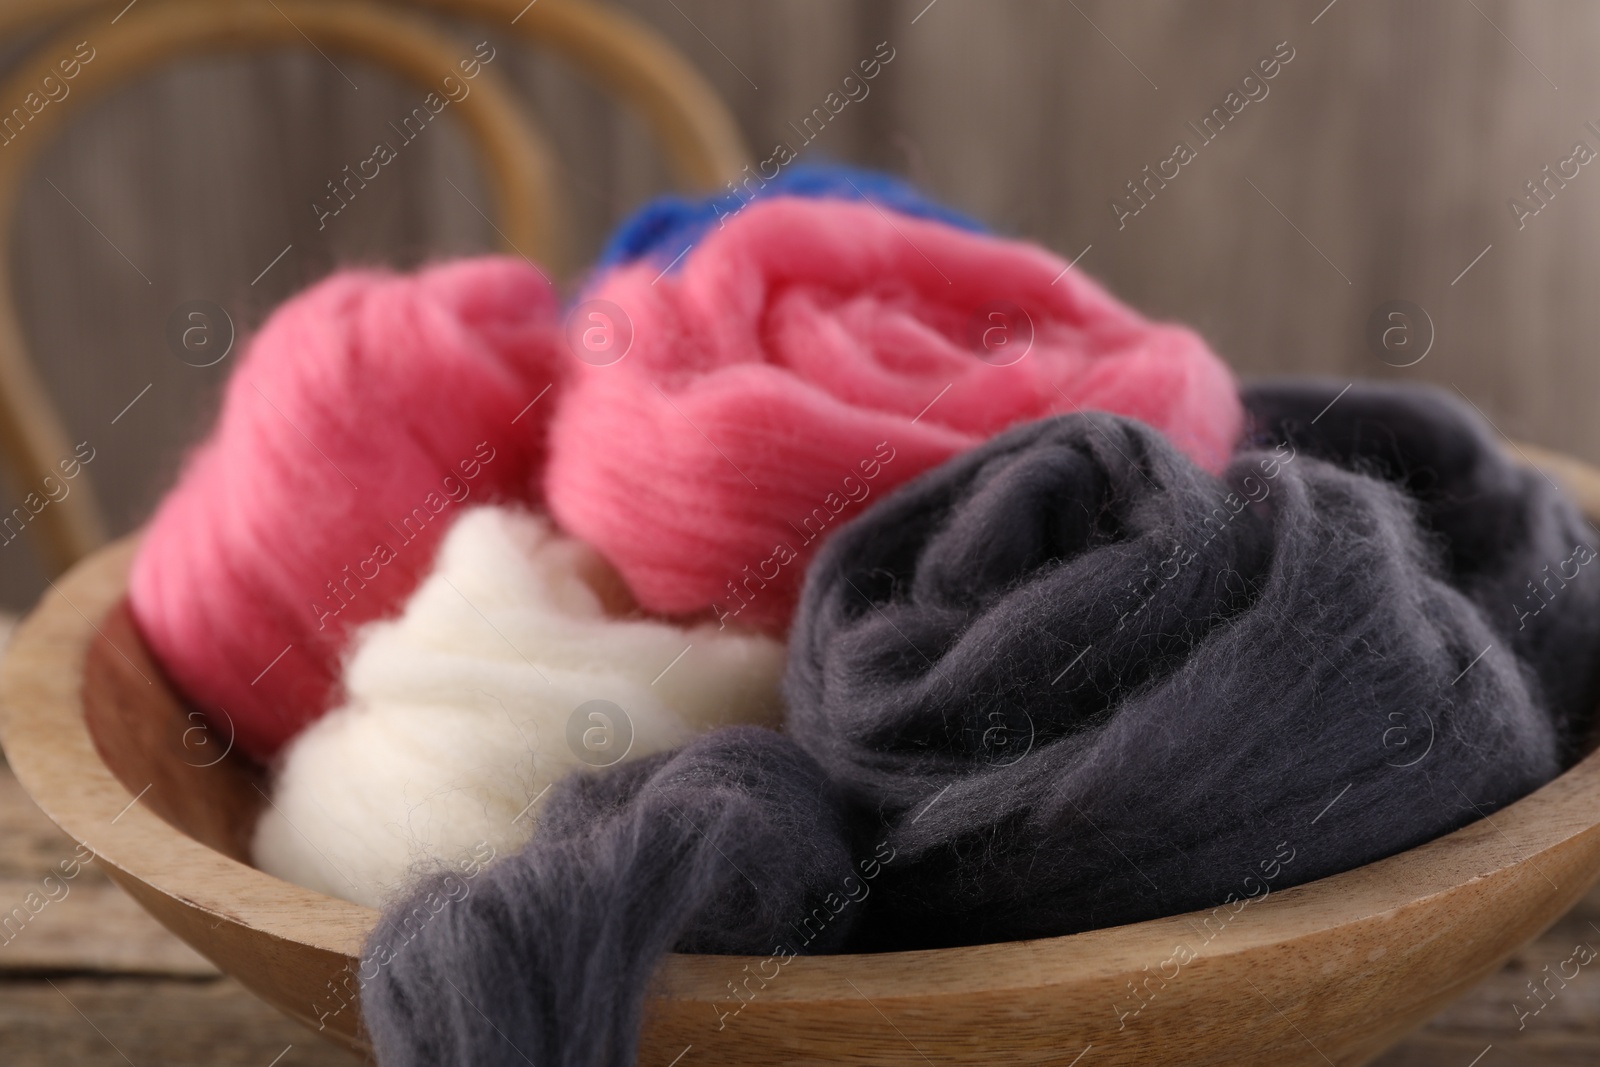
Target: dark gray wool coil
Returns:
[[727, 846], [1065, 681], [1082, 683], [1512, 540]]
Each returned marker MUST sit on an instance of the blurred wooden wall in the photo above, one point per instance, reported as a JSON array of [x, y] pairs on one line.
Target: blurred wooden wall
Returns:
[[1377, 167]]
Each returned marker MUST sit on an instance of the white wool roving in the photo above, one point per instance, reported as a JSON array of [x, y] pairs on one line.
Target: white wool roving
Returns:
[[459, 714]]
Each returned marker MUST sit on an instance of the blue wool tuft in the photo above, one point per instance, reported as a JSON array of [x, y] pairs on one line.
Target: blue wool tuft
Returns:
[[668, 226]]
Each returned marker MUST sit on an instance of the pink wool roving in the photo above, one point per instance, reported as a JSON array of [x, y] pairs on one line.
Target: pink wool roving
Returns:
[[363, 416], [810, 354]]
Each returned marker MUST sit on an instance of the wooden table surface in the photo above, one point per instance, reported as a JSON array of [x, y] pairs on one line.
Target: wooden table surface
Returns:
[[91, 980]]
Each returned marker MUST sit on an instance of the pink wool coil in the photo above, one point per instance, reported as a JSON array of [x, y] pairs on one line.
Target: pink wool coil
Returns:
[[365, 413], [809, 354]]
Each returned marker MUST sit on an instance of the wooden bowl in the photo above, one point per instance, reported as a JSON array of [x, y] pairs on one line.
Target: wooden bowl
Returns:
[[1331, 972]]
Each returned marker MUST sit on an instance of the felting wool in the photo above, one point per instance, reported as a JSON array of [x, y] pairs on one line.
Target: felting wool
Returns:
[[1085, 683], [1512, 541], [513, 664], [667, 226], [812, 353], [365, 411], [717, 848]]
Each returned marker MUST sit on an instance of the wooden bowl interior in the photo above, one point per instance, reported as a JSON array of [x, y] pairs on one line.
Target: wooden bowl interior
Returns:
[[181, 765]]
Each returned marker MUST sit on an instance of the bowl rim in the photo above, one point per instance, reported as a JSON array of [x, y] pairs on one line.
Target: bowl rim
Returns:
[[48, 744]]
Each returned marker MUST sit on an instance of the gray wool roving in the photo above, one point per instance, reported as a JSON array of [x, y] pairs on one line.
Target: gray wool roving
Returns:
[[1512, 541], [1065, 681], [1082, 683], [716, 848]]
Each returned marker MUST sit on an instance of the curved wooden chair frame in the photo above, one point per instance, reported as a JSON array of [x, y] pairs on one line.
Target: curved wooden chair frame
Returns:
[[619, 53]]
